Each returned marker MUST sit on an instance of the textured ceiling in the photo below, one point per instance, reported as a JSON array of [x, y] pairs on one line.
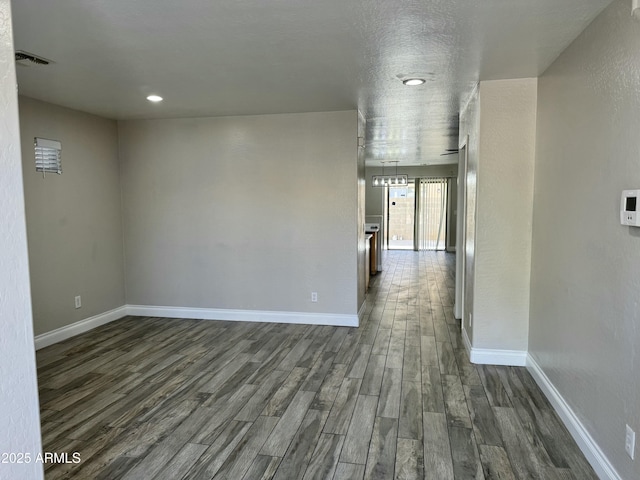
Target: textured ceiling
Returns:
[[237, 57]]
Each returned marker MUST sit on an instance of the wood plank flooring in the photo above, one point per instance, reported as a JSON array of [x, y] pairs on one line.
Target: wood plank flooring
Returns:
[[396, 398]]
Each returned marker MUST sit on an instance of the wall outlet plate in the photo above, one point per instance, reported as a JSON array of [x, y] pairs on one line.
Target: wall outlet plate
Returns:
[[630, 442], [314, 297], [78, 301]]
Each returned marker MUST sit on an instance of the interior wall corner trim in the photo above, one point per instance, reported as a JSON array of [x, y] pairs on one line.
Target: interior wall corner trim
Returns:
[[81, 326], [591, 450]]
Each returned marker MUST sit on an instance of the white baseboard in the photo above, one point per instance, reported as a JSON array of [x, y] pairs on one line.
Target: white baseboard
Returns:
[[485, 356], [68, 331], [596, 457], [60, 334], [337, 320]]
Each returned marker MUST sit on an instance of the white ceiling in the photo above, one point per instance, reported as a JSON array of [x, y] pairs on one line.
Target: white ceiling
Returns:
[[237, 57]]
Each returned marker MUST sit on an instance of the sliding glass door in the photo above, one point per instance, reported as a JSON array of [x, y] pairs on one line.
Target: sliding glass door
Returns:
[[416, 215], [399, 209], [431, 214]]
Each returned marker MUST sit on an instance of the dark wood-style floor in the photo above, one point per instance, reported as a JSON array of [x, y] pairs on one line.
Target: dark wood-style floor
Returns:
[[156, 398]]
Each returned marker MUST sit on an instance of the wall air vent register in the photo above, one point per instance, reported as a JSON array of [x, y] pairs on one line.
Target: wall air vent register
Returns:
[[48, 158]]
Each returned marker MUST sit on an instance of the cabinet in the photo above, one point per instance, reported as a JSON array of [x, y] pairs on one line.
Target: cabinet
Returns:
[[373, 254]]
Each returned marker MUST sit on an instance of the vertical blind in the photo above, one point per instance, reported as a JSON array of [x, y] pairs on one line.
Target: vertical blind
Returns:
[[431, 214]]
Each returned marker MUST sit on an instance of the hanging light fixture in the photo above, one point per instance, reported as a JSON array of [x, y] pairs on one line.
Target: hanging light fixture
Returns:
[[395, 180]]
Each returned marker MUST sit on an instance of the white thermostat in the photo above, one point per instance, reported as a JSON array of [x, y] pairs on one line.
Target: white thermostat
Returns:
[[629, 204]]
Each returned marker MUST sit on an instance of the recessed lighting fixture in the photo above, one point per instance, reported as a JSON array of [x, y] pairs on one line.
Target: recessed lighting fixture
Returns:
[[413, 81], [154, 98]]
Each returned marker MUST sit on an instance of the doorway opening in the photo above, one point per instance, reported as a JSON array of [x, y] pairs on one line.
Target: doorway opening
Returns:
[[400, 206], [416, 215], [431, 212]]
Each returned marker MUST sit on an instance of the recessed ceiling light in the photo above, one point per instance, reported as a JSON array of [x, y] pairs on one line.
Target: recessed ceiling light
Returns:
[[413, 81], [154, 98]]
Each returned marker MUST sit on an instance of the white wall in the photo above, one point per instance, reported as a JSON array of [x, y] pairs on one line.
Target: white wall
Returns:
[[20, 419], [74, 220], [584, 329], [501, 123], [242, 213]]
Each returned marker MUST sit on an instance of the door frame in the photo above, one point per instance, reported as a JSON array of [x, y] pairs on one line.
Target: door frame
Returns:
[[461, 229]]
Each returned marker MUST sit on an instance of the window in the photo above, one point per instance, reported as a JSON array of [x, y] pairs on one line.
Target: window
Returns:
[[48, 156]]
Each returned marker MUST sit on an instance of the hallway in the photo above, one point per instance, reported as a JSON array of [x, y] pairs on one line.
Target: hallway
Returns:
[[394, 399]]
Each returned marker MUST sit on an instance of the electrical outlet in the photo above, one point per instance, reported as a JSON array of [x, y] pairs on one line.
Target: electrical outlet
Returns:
[[630, 441], [78, 301], [470, 319], [314, 297]]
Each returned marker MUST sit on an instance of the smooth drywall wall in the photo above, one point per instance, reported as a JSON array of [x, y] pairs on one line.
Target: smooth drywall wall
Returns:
[[20, 419], [584, 317], [242, 213], [505, 174], [74, 220]]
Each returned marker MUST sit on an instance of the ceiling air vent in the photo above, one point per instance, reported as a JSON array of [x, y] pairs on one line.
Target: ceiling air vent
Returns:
[[25, 58]]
